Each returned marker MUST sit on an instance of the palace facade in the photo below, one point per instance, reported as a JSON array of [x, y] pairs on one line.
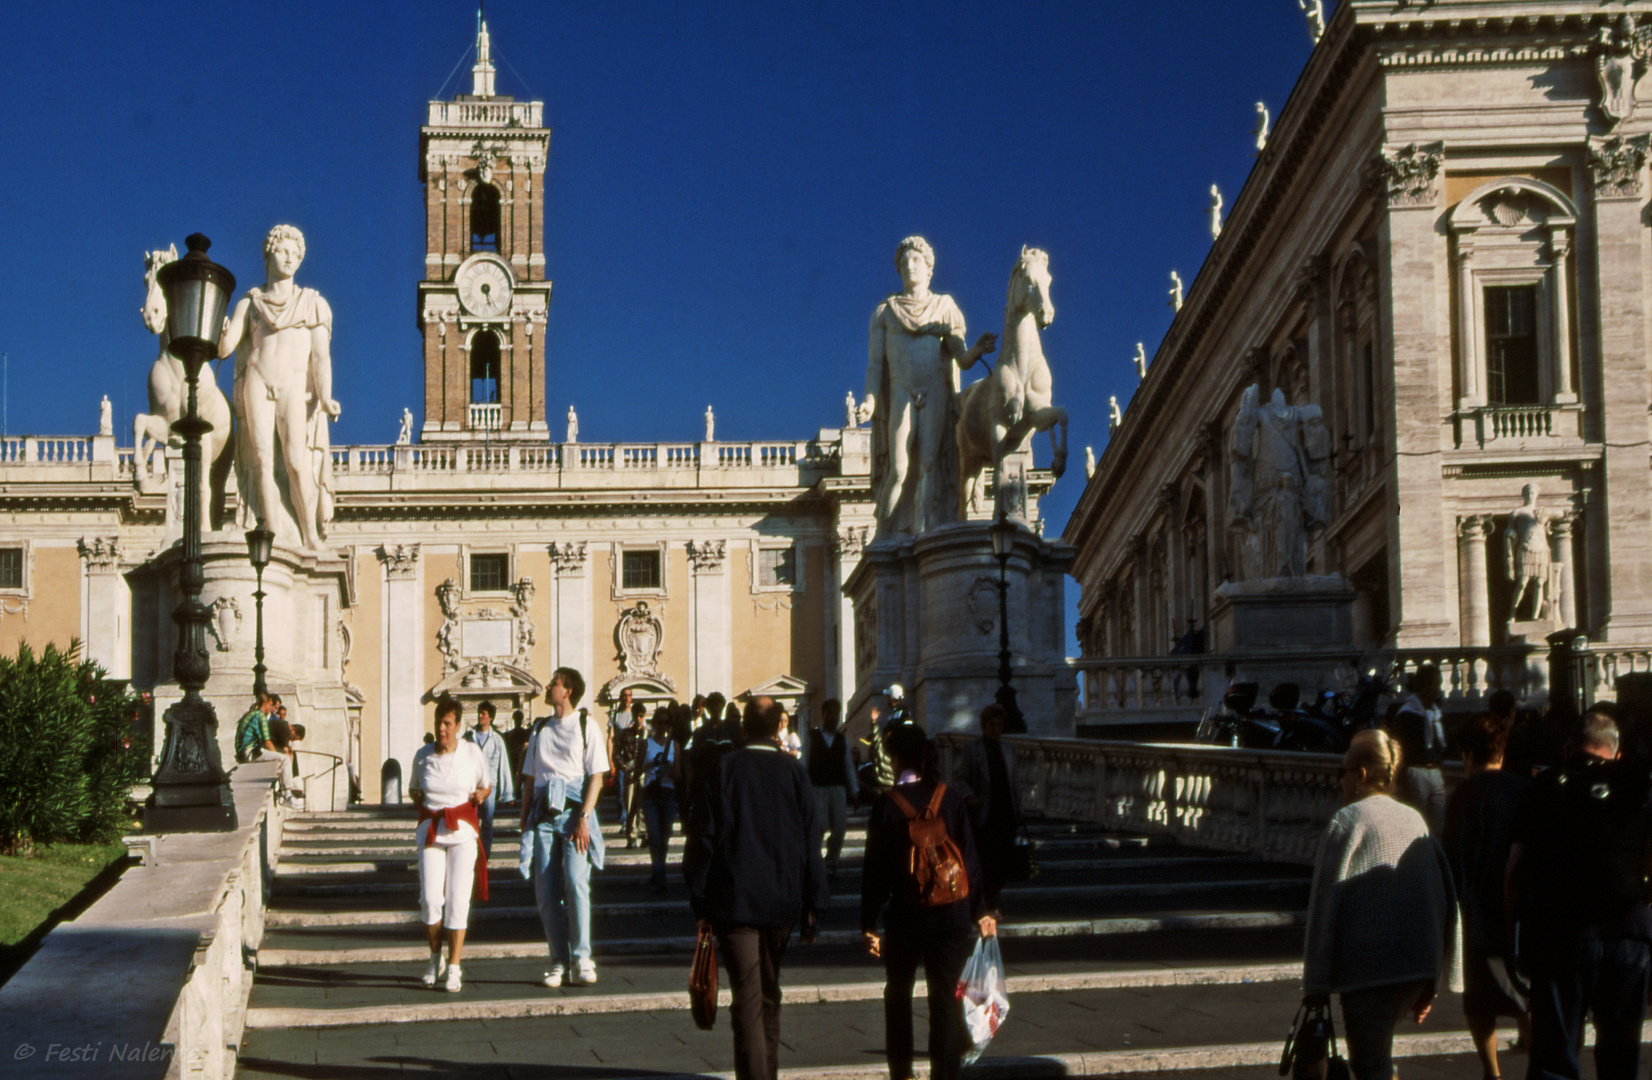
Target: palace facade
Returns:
[[1444, 246]]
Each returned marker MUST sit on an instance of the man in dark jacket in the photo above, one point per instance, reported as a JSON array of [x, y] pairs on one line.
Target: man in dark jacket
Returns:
[[753, 866], [940, 937], [1576, 884]]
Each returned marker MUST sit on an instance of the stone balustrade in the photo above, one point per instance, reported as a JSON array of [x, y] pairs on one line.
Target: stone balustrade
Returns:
[[1498, 427], [1146, 689], [154, 977], [1272, 804], [474, 114], [487, 417], [566, 458]]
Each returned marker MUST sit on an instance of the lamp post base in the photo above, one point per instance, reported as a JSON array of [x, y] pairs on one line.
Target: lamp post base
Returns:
[[190, 792]]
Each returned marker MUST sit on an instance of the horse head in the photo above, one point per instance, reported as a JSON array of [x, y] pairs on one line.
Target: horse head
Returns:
[[1030, 287], [154, 301]]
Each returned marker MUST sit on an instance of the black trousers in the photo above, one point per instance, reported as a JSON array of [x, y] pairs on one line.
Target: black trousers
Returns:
[[1606, 979], [751, 955], [943, 954]]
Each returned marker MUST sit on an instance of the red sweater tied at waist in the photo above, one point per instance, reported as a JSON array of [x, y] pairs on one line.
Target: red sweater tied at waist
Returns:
[[451, 817]]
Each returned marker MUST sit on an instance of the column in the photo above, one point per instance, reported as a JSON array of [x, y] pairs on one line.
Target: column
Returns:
[[571, 608], [711, 644], [1560, 277], [845, 552], [1622, 509], [402, 637], [1474, 583], [105, 609], [1560, 529], [1468, 327]]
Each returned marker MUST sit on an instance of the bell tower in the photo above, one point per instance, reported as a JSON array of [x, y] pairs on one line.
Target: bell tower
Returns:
[[484, 299]]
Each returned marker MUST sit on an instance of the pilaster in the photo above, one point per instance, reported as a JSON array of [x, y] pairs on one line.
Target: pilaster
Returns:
[[402, 663], [711, 644], [1622, 516], [106, 606], [571, 607], [1473, 585]]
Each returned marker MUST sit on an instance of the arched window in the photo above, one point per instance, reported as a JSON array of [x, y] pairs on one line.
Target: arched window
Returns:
[[1515, 380], [484, 368], [484, 218]]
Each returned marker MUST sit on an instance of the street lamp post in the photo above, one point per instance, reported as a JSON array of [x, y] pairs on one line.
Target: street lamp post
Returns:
[[1003, 533], [190, 792], [260, 544]]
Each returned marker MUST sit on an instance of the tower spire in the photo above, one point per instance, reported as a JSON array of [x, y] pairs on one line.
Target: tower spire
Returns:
[[481, 76]]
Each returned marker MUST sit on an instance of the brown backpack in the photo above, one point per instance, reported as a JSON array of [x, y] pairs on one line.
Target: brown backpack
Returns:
[[937, 869]]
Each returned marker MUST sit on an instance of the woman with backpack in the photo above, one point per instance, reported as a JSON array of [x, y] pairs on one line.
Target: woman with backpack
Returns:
[[921, 862]]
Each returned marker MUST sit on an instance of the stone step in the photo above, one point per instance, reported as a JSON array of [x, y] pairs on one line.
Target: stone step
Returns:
[[579, 1003], [297, 888], [490, 913], [1085, 1031], [334, 948]]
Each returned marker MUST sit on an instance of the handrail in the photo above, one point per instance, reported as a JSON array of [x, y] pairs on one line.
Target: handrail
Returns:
[[331, 772]]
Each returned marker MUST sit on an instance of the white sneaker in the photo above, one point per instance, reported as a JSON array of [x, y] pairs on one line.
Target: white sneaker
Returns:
[[454, 975], [434, 971], [585, 973], [553, 977]]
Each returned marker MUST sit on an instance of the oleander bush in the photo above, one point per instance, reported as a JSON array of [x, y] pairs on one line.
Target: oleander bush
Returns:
[[66, 770]]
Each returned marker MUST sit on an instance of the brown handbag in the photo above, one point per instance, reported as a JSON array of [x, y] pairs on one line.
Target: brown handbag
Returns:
[[702, 982]]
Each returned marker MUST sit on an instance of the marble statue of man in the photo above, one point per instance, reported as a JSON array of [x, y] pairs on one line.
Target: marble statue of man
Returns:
[[1526, 542], [281, 336], [914, 355], [106, 417], [711, 424], [573, 426], [405, 435], [850, 420], [1281, 457]]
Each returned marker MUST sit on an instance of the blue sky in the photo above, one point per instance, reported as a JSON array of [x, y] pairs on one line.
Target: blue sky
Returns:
[[727, 185]]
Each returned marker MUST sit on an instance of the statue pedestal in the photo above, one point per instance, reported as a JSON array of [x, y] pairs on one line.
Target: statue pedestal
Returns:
[[304, 645], [1277, 630], [926, 616]]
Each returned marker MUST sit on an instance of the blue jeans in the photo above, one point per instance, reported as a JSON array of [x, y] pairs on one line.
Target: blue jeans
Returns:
[[1607, 979], [562, 889], [661, 810], [484, 815]]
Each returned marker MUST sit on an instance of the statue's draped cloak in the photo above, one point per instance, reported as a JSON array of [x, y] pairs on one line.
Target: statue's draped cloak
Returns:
[[904, 314]]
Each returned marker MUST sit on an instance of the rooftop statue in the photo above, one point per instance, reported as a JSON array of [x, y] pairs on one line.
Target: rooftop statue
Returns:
[[281, 336], [914, 355], [1280, 483]]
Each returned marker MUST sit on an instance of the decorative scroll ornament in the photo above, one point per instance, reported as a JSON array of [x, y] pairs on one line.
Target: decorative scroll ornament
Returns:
[[521, 609], [1616, 164], [851, 541], [447, 638], [639, 637], [569, 557], [982, 603], [1621, 52], [401, 561], [1407, 174], [707, 556], [101, 555]]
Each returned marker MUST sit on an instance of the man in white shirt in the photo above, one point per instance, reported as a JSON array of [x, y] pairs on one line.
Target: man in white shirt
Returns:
[[561, 779]]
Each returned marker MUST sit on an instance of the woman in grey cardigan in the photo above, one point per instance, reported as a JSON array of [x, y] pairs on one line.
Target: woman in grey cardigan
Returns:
[[1380, 917]]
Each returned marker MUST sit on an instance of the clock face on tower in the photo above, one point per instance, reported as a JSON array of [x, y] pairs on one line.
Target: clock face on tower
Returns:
[[484, 286]]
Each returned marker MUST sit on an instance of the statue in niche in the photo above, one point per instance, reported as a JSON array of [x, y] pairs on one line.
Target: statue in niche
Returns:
[[1527, 559], [915, 352], [281, 336], [639, 636], [573, 426], [1280, 483]]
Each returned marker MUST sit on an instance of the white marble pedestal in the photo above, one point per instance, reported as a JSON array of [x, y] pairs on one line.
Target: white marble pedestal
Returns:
[[305, 595], [926, 616], [1298, 630]]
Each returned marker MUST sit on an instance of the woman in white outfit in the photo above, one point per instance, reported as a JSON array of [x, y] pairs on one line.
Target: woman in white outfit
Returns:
[[450, 780]]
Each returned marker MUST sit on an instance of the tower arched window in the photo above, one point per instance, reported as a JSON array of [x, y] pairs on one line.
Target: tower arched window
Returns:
[[484, 368], [484, 218]]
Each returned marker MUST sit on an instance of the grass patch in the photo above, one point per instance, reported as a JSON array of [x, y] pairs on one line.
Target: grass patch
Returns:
[[33, 888]]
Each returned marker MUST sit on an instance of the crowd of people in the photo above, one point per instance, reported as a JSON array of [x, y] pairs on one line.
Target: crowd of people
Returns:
[[764, 812], [1541, 855]]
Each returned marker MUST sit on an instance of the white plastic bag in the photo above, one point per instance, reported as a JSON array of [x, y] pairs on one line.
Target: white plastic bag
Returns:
[[985, 993]]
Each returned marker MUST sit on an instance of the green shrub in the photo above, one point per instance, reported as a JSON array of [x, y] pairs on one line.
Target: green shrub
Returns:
[[65, 768]]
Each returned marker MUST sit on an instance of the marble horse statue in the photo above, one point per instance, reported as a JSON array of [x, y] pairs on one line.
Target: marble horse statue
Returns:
[[998, 414], [168, 394]]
